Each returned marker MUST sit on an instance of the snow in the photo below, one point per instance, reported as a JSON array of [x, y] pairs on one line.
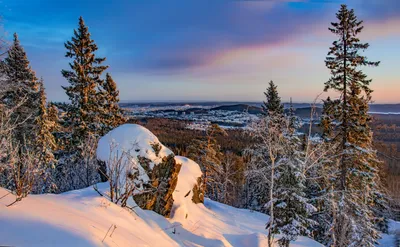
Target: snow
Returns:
[[389, 239], [129, 141], [134, 139], [76, 218], [394, 226], [84, 218]]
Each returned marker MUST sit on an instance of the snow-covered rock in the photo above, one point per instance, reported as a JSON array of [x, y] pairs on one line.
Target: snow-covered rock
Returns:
[[154, 165], [132, 138]]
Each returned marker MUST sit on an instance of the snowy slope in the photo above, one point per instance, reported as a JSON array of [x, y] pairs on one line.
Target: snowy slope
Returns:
[[76, 218], [84, 218]]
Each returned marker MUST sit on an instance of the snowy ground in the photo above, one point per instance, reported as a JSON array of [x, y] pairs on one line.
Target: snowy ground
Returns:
[[389, 240], [84, 218]]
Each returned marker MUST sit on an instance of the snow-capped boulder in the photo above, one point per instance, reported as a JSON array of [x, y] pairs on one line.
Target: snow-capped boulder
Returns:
[[136, 139], [155, 166]]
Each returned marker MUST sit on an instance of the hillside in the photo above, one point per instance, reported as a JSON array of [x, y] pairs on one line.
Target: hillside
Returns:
[[83, 217], [240, 108]]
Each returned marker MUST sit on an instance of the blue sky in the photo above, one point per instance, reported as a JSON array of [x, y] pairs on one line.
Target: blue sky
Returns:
[[206, 50]]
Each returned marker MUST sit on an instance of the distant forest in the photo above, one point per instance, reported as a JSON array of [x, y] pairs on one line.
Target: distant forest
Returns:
[[386, 128]]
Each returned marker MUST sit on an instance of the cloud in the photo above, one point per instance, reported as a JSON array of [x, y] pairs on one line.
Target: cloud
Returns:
[[180, 41]]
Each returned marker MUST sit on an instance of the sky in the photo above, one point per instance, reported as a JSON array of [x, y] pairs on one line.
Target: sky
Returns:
[[206, 50]]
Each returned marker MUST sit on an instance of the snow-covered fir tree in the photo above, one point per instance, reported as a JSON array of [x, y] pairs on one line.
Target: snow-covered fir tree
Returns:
[[359, 183], [45, 145], [21, 101], [292, 210], [23, 87], [45, 140]]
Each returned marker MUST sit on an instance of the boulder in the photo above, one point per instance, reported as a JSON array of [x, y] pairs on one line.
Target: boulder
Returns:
[[157, 169], [157, 192]]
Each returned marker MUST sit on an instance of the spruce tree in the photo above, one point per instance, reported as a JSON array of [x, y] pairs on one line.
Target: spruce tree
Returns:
[[292, 209], [343, 60], [112, 113], [262, 156], [273, 102], [45, 146], [23, 91], [45, 141], [359, 181], [84, 113]]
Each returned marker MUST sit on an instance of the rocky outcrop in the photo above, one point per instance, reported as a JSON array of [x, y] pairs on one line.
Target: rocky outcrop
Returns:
[[157, 192], [155, 168]]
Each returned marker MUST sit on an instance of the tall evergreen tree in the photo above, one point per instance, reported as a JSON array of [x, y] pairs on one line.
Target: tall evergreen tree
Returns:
[[343, 60], [273, 103], [359, 181], [84, 113], [93, 110], [23, 90]]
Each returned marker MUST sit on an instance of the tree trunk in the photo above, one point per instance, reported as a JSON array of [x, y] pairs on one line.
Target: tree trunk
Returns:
[[344, 111], [271, 197]]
